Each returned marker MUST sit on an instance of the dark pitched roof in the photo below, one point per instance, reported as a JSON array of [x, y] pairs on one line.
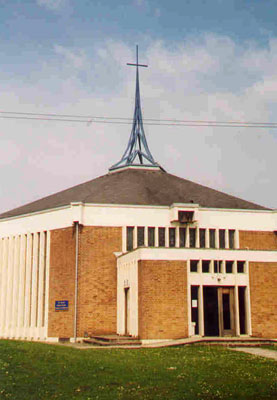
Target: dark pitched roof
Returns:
[[137, 187]]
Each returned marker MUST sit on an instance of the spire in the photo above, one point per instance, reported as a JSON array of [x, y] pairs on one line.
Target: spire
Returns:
[[137, 152]]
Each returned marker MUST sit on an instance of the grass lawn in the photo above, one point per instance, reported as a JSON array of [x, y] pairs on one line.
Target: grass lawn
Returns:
[[40, 371]]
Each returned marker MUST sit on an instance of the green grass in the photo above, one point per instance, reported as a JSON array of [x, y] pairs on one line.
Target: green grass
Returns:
[[40, 371]]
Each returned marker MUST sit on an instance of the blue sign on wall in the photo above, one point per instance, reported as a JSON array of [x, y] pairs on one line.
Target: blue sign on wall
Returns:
[[61, 305]]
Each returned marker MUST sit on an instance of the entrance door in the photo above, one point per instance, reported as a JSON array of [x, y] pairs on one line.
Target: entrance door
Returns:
[[226, 311], [127, 311]]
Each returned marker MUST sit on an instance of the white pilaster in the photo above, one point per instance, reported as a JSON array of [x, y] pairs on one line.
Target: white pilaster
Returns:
[[146, 236], [34, 281], [197, 237], [15, 285], [207, 238], [41, 278], [236, 239], [47, 272], [201, 311], [177, 244], [27, 319], [124, 239], [22, 267], [9, 287], [227, 239], [217, 238], [187, 237], [156, 236], [248, 311], [3, 293], [135, 237], [166, 236], [237, 323]]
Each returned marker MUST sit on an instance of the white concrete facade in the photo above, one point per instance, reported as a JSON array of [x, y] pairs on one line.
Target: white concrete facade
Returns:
[[24, 282]]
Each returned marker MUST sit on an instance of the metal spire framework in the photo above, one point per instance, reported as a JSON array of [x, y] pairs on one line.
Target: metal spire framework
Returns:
[[137, 152]]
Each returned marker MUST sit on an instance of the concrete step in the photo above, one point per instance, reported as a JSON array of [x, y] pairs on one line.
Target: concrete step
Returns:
[[123, 343], [235, 344], [112, 340]]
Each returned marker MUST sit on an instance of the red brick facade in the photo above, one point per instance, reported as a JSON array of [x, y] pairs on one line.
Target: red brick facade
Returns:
[[258, 240], [97, 287], [162, 299], [263, 292], [98, 279], [61, 282]]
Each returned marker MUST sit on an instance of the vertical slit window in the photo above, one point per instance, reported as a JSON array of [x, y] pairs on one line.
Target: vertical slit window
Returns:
[[241, 267], [202, 238], [130, 238], [194, 265], [172, 237], [229, 267], [192, 237], [231, 239], [205, 266], [212, 238], [151, 237], [220, 267], [161, 237], [222, 238], [216, 268], [141, 236], [182, 234]]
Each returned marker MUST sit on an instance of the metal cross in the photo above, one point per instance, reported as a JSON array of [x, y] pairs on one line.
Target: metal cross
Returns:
[[137, 64]]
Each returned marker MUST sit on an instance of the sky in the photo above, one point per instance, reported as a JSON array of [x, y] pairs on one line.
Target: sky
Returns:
[[207, 60]]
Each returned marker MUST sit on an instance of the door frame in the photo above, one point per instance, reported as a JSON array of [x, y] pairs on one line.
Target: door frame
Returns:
[[127, 311], [221, 290]]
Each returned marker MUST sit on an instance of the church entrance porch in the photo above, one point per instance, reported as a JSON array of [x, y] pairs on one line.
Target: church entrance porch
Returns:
[[218, 311]]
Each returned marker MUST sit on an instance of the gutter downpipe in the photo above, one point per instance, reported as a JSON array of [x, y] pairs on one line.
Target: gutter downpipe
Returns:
[[76, 224]]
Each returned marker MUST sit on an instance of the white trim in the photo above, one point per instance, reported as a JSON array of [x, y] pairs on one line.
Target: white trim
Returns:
[[174, 253]]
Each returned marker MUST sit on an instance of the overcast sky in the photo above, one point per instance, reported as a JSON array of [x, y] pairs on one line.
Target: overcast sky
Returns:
[[208, 60]]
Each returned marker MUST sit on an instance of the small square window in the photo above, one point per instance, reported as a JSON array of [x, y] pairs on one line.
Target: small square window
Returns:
[[205, 266], [194, 265], [241, 267], [229, 267]]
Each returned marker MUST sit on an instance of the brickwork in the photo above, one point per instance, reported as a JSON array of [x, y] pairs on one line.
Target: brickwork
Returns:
[[258, 240], [162, 299], [98, 279], [263, 292], [61, 282]]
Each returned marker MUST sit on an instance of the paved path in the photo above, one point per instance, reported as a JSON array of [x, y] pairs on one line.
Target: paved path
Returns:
[[256, 351]]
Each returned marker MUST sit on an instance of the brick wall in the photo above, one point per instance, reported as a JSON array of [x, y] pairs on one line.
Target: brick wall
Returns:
[[258, 240], [263, 292], [162, 299], [61, 282], [98, 279], [97, 285]]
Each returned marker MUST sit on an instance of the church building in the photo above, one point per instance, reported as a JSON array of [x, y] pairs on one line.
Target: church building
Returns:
[[138, 252]]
